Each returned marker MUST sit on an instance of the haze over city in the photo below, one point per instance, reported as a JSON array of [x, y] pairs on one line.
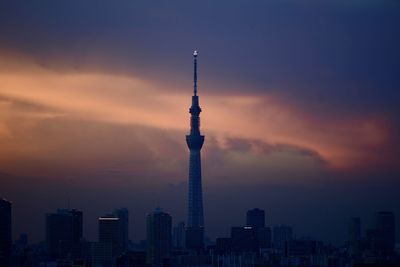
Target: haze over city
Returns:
[[300, 105]]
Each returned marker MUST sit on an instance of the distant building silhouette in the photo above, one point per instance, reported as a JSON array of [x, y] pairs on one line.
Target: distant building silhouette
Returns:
[[5, 232], [354, 235], [101, 254], [305, 247], [371, 237], [123, 215], [244, 239], [282, 236], [195, 222], [255, 218], [264, 237], [159, 237], [132, 259], [22, 241], [110, 232], [178, 236], [386, 232], [64, 233]]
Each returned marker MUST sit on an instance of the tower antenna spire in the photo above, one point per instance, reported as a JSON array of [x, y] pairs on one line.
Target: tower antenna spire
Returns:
[[195, 72]]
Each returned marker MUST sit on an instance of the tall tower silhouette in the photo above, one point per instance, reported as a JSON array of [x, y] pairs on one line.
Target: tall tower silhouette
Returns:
[[195, 222]]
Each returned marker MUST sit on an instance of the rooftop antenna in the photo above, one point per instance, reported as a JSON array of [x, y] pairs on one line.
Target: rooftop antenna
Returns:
[[195, 71]]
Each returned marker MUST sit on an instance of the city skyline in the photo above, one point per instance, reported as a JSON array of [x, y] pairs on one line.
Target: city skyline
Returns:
[[247, 244], [301, 111]]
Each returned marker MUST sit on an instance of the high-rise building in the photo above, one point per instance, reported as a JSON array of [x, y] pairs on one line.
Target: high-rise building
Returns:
[[159, 237], [244, 239], [386, 232], [110, 232], [5, 232], [264, 237], [178, 236], [255, 218], [371, 238], [64, 233], [195, 221], [282, 236], [123, 216], [101, 254], [247, 238]]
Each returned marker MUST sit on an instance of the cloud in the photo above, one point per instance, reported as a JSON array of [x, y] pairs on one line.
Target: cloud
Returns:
[[342, 142], [60, 147]]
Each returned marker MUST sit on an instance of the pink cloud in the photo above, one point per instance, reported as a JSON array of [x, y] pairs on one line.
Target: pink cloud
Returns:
[[343, 142]]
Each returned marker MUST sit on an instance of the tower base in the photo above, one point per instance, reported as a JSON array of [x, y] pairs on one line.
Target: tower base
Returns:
[[194, 238]]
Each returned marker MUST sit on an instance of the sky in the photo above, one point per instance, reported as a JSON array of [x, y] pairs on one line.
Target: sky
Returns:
[[300, 105]]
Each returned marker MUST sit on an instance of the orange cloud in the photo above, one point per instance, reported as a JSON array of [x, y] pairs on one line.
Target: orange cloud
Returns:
[[342, 142]]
